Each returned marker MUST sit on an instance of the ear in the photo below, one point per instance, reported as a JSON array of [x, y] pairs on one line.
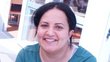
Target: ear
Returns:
[[71, 33]]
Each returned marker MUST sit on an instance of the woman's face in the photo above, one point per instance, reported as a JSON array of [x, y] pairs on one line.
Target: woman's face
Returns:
[[53, 30]]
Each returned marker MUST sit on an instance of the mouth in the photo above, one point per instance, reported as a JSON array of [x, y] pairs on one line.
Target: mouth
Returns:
[[50, 40]]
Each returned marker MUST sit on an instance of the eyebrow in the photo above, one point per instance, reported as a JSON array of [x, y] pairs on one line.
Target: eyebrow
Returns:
[[59, 24], [55, 23], [44, 22]]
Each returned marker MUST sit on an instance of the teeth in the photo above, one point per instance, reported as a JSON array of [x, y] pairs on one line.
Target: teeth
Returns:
[[49, 40]]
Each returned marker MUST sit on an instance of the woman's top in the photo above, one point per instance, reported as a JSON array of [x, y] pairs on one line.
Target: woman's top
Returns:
[[31, 54]]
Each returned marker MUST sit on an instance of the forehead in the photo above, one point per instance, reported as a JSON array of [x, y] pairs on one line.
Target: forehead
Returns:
[[54, 15]]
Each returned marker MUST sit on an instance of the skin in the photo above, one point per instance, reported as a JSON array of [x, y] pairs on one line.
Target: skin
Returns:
[[53, 36]]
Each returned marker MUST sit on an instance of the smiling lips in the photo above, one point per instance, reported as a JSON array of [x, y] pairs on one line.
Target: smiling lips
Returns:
[[49, 40]]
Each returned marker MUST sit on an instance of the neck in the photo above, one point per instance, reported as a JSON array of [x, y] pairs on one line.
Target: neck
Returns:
[[63, 55]]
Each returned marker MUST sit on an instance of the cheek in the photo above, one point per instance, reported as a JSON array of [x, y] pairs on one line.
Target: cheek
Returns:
[[39, 34], [64, 36]]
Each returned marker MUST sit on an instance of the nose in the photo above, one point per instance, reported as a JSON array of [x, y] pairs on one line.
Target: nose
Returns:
[[50, 32]]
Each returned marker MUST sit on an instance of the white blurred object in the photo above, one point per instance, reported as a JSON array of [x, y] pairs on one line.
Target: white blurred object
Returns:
[[1, 24], [5, 58], [9, 48], [3, 33]]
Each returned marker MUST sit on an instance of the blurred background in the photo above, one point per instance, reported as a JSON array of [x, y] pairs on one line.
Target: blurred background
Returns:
[[92, 31]]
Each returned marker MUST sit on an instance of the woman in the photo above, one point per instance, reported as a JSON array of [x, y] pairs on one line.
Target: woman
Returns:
[[55, 23]]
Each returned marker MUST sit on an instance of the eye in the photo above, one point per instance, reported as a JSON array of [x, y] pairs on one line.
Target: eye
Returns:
[[44, 25], [58, 27]]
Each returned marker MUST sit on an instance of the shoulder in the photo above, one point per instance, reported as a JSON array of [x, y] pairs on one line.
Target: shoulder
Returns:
[[31, 48], [28, 53], [82, 55], [83, 52]]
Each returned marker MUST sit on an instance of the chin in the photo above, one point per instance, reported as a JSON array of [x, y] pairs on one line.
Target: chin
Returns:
[[50, 49]]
